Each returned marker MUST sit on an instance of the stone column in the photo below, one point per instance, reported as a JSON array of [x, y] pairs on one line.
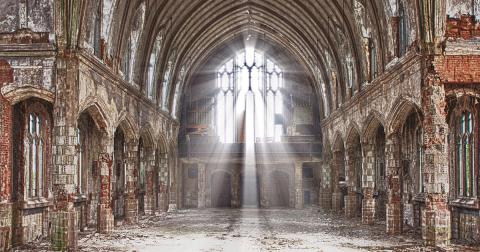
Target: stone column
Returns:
[[162, 182], [172, 185], [235, 190], [368, 185], [298, 185], [394, 205], [351, 198], [150, 176], [64, 232], [6, 76], [131, 204], [105, 163], [335, 170], [436, 217], [325, 192], [201, 185]]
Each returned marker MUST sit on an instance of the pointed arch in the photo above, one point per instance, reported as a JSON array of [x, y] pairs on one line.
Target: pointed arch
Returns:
[[338, 143], [373, 121], [148, 135], [162, 143], [20, 94], [353, 131], [401, 109], [126, 123], [99, 116]]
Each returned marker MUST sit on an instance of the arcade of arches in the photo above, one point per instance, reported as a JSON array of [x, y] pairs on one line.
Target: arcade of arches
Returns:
[[115, 110]]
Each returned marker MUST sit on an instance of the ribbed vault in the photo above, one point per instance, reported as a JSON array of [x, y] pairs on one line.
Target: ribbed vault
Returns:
[[319, 34]]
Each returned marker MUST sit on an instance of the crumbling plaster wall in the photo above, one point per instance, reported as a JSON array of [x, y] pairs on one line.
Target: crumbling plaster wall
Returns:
[[380, 98], [36, 15], [455, 8], [119, 103]]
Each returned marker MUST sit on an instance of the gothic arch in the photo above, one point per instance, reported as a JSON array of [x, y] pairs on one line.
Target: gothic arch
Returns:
[[353, 130], [148, 136], [338, 143], [126, 123], [399, 113], [20, 94], [374, 120], [94, 109]]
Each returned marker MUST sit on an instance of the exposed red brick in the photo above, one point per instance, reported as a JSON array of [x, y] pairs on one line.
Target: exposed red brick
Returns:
[[6, 72], [462, 69], [464, 27], [5, 148]]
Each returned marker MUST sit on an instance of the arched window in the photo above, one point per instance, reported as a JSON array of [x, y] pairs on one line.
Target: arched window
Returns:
[[81, 161], [166, 82], [350, 80], [420, 157], [152, 68], [142, 166], [35, 154], [97, 29], [178, 90], [464, 153], [249, 73], [131, 47], [373, 59], [463, 142], [127, 58], [402, 30]]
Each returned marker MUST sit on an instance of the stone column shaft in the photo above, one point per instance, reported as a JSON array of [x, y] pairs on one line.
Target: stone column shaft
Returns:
[[150, 176], [436, 217], [105, 213], [351, 198], [131, 202], [394, 205], [201, 185], [368, 185], [298, 185]]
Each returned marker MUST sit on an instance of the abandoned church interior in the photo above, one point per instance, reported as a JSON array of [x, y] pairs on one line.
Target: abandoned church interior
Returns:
[[239, 125]]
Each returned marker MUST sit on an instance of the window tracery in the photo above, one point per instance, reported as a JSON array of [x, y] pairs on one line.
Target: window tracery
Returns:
[[250, 72]]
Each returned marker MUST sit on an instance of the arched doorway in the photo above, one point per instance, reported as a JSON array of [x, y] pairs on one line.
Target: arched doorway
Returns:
[[354, 151], [32, 135], [118, 177], [279, 189], [141, 177], [221, 189], [161, 176], [87, 176], [380, 174], [411, 172]]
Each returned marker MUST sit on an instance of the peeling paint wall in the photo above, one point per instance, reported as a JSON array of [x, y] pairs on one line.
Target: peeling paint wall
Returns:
[[456, 8]]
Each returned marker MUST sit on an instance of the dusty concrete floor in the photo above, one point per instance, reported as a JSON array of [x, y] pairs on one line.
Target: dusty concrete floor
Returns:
[[250, 230]]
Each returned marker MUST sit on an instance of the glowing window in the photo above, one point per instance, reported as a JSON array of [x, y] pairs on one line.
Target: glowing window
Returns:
[[249, 73]]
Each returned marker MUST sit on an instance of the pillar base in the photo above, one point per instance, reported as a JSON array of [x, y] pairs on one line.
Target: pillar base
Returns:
[[5, 226], [64, 230], [436, 222], [131, 209], [336, 201], [105, 219], [394, 218], [149, 204], [368, 211], [351, 205], [325, 200], [172, 208]]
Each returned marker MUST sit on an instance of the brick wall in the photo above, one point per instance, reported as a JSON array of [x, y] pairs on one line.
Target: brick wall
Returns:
[[6, 76], [462, 69]]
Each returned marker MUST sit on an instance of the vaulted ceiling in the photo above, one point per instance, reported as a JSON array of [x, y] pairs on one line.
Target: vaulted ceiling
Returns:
[[322, 35]]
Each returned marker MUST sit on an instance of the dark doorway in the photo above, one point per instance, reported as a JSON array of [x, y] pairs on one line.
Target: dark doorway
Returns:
[[221, 190], [279, 193]]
